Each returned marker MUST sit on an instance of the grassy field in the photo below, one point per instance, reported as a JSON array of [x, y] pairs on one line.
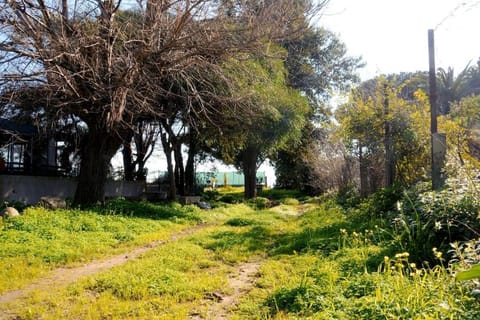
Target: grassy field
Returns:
[[309, 261]]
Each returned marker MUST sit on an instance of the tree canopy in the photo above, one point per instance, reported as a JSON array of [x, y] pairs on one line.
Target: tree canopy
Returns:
[[108, 67]]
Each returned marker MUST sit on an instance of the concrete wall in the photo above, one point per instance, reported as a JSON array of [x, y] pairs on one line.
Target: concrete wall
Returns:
[[29, 189]]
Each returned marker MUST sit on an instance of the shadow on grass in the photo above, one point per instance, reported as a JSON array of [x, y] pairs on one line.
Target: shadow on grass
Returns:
[[252, 236], [281, 194], [147, 210], [323, 239], [328, 241], [254, 239]]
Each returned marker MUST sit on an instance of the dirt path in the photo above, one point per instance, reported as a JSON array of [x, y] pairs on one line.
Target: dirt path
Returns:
[[62, 277], [239, 283]]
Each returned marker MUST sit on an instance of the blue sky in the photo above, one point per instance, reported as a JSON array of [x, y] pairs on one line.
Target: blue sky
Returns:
[[392, 36]]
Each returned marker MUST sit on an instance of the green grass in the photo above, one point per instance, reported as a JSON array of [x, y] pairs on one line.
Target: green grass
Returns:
[[318, 265], [42, 239]]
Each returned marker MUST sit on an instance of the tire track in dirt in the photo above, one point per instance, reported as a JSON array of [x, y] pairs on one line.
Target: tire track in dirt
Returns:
[[241, 282], [62, 277]]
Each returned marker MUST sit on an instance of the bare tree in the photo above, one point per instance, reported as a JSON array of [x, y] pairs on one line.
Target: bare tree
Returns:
[[144, 136], [104, 63]]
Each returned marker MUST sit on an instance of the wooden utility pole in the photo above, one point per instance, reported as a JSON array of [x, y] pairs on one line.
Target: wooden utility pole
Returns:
[[389, 155], [438, 139]]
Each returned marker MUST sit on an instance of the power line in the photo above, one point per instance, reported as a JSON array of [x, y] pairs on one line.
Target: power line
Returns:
[[451, 14], [469, 5], [473, 6]]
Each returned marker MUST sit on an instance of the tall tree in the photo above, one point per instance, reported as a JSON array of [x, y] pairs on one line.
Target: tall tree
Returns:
[[143, 137], [317, 64], [192, 106], [277, 114]]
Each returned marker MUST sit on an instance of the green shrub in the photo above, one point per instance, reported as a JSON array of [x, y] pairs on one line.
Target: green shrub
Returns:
[[259, 203], [348, 197], [416, 220], [303, 299], [382, 203], [210, 195], [427, 219], [239, 222], [231, 198], [279, 194], [290, 202], [120, 206]]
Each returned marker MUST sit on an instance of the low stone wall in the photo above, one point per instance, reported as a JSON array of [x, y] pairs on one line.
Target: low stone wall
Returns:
[[29, 189]]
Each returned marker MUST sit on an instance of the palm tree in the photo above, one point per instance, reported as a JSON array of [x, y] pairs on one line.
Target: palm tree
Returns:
[[451, 88]]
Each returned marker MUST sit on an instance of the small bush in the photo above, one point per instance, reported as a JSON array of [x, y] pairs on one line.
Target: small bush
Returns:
[[210, 195], [303, 299], [348, 197], [120, 206], [427, 219], [279, 194], [382, 203], [259, 203], [239, 222], [231, 198], [290, 202]]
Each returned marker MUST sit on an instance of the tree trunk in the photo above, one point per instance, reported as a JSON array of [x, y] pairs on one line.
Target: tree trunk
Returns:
[[190, 166], [179, 169], [128, 167], [141, 153], [249, 159], [167, 149], [171, 145], [100, 147], [364, 184], [172, 188], [389, 152]]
